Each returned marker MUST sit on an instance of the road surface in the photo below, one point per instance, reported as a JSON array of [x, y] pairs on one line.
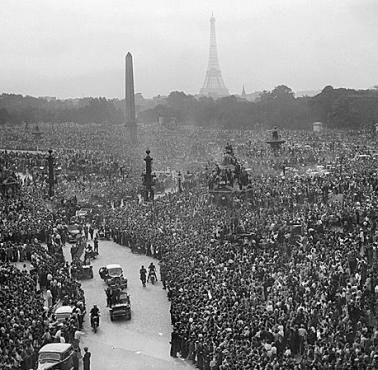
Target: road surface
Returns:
[[141, 343]]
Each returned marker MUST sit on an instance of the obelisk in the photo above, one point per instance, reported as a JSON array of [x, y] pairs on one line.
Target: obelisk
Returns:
[[129, 93]]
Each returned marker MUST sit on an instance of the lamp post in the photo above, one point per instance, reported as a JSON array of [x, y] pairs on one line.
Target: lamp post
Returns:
[[50, 160], [179, 181], [148, 178]]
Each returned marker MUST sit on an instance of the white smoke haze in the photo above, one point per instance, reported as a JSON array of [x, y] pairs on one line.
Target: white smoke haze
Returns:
[[76, 48]]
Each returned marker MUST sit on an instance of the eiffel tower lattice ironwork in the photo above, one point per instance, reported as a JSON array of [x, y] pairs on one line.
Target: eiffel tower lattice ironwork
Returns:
[[213, 85]]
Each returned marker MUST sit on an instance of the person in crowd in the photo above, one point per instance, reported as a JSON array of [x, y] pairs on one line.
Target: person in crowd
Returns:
[[143, 275], [87, 359], [95, 244]]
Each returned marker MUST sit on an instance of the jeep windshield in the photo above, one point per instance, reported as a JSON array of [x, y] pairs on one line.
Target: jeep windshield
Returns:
[[49, 357], [115, 271]]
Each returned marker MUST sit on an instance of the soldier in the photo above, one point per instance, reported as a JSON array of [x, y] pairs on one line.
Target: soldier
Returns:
[[109, 294]]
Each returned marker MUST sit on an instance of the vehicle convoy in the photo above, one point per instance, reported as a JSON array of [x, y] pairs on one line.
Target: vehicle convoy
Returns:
[[56, 356], [113, 276], [121, 309]]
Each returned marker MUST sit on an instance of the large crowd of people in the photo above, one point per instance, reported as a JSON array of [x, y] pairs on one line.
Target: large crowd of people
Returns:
[[283, 276], [34, 277]]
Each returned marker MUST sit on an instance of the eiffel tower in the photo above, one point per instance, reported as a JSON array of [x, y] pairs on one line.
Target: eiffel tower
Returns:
[[213, 85]]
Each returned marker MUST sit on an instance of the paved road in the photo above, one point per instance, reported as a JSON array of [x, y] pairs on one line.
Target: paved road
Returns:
[[141, 343]]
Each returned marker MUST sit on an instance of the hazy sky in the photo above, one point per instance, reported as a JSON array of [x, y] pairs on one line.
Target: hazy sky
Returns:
[[75, 48]]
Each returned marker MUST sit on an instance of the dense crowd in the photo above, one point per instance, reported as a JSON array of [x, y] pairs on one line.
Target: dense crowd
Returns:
[[27, 298], [33, 278], [283, 276]]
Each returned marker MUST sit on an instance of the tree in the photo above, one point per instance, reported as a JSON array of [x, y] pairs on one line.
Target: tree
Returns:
[[4, 116]]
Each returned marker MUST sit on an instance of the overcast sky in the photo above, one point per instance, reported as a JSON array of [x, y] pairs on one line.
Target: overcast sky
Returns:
[[75, 48]]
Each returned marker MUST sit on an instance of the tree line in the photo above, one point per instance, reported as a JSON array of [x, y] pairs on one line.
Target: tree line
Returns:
[[17, 109], [337, 108]]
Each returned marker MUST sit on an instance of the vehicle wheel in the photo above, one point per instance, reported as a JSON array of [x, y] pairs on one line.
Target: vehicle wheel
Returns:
[[91, 275], [111, 318], [95, 328]]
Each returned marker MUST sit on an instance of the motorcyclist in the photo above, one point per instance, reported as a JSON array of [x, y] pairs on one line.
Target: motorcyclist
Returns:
[[143, 273], [152, 271], [103, 272], [95, 312]]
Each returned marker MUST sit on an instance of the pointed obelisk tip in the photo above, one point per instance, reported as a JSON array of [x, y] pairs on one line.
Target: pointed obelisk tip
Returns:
[[128, 55]]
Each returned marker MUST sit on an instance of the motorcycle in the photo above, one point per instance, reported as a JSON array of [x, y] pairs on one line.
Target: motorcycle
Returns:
[[90, 253], [152, 278], [104, 234], [95, 322]]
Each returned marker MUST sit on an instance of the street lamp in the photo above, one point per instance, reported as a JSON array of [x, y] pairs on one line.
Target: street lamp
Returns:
[[148, 178], [179, 181]]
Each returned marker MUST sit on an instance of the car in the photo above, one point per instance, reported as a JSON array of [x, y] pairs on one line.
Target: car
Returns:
[[122, 308], [82, 272], [113, 275], [73, 234], [63, 312], [83, 212], [361, 157], [57, 356]]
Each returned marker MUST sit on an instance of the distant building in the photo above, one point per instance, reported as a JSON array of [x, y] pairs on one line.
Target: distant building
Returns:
[[317, 126], [252, 97], [47, 98], [159, 99], [161, 120], [139, 102]]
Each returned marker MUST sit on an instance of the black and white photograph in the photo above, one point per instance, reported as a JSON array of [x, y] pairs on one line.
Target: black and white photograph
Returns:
[[188, 185]]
